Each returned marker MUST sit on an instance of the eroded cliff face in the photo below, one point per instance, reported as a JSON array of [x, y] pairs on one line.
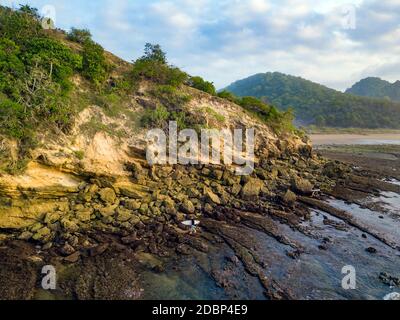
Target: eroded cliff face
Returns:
[[98, 177]]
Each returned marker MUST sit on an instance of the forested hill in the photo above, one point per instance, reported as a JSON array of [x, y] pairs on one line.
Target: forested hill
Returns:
[[317, 104], [376, 88]]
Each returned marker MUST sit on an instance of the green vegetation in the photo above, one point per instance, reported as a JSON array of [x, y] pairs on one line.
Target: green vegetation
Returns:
[[155, 118], [376, 88], [315, 104], [153, 66], [35, 73], [228, 96], [94, 66], [37, 93], [218, 117], [205, 86], [172, 108], [79, 35], [79, 154]]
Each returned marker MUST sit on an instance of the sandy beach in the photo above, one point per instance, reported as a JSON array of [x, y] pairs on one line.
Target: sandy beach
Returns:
[[348, 139]]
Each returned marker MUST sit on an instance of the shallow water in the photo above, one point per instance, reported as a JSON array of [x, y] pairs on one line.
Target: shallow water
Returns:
[[377, 221], [394, 181], [316, 274]]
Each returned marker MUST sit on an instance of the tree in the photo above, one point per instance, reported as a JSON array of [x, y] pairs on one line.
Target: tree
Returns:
[[153, 52], [153, 66], [30, 11]]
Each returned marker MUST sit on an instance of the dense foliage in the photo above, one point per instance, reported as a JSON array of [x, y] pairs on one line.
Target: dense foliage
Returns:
[[203, 85], [94, 66], [79, 35], [35, 76], [154, 66], [376, 88], [316, 104]]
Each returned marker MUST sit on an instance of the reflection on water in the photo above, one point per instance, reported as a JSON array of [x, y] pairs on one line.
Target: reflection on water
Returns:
[[381, 224]]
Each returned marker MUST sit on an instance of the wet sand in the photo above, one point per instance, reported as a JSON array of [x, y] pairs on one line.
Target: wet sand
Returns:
[[355, 139]]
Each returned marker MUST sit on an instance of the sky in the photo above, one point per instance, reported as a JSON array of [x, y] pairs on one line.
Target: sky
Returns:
[[332, 42]]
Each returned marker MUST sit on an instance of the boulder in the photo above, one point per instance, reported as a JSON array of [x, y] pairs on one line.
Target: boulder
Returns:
[[236, 188], [108, 195], [334, 170], [67, 249], [251, 190], [131, 204], [69, 225], [217, 174], [123, 215], [107, 211], [211, 196], [26, 235], [302, 186], [188, 207], [52, 217], [131, 192], [42, 234], [289, 198], [84, 215]]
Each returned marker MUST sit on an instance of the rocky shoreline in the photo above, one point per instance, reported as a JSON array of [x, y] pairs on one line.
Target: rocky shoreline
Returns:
[[102, 238]]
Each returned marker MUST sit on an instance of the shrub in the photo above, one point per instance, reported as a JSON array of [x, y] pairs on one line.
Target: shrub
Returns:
[[279, 121], [79, 154], [57, 59], [156, 117], [171, 97], [19, 25], [153, 66], [12, 119], [79, 35], [158, 73], [228, 96], [11, 68], [94, 66], [200, 84]]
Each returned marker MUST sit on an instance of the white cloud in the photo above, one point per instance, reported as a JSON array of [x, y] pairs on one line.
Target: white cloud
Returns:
[[226, 40]]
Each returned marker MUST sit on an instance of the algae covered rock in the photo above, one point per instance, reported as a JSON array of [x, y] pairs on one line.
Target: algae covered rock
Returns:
[[108, 195], [188, 207], [52, 217], [84, 215], [69, 225], [211, 196], [289, 198], [302, 186], [252, 188], [123, 215], [42, 235]]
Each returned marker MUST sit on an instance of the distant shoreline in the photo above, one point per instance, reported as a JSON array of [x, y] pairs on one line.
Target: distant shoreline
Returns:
[[355, 139], [359, 131]]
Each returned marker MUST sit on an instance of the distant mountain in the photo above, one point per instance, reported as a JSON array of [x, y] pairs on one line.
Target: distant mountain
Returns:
[[376, 88], [316, 104]]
